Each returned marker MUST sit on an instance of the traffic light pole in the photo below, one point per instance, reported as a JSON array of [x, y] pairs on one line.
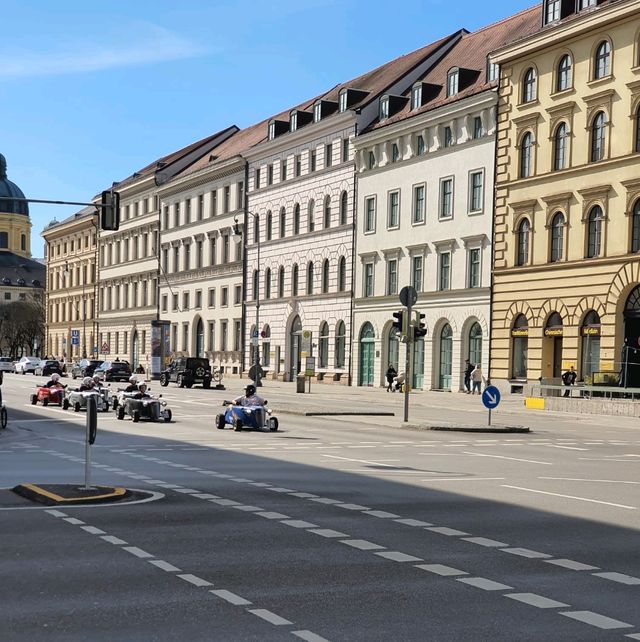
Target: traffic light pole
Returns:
[[407, 363]]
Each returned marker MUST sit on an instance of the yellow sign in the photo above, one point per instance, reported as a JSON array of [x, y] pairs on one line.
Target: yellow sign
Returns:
[[553, 332], [606, 365], [520, 333], [588, 331]]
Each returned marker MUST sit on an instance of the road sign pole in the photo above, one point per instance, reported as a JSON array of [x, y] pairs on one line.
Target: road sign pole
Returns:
[[91, 427], [489, 421]]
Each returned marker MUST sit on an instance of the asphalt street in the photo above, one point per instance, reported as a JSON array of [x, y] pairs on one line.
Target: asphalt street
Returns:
[[330, 529]]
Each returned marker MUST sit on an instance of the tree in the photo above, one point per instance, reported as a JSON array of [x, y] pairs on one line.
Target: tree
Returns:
[[21, 327]]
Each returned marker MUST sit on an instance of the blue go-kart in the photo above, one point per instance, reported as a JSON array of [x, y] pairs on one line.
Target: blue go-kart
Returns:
[[250, 417]]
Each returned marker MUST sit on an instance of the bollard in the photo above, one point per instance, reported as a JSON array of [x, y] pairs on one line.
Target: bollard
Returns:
[[91, 431]]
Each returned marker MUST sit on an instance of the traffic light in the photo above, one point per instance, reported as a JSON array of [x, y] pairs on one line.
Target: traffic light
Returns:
[[420, 328], [398, 324], [110, 211]]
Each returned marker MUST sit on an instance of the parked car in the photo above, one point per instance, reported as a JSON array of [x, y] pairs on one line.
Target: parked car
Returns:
[[85, 368], [47, 367], [6, 365], [186, 371], [27, 364], [113, 371]]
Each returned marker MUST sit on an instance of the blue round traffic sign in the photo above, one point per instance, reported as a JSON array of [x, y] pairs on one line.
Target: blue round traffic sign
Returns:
[[491, 397]]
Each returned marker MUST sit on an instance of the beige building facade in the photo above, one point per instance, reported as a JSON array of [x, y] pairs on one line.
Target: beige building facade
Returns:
[[567, 212]]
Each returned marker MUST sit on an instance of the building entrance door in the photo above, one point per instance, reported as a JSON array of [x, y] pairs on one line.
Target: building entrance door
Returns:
[[367, 355]]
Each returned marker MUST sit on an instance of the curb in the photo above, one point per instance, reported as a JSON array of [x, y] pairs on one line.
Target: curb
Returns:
[[475, 429], [364, 413], [49, 494]]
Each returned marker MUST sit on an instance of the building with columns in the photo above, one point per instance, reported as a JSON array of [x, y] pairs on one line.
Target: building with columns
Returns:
[[567, 214], [300, 223], [200, 258], [71, 253], [425, 203]]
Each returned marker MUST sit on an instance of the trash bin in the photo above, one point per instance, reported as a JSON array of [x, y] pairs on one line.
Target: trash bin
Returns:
[[300, 382]]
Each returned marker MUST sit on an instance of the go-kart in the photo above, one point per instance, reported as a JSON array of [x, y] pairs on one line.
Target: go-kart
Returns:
[[251, 417], [77, 400], [45, 395], [148, 408]]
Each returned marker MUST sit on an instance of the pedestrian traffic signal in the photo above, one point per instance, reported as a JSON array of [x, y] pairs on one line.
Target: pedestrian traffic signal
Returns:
[[110, 211], [420, 328]]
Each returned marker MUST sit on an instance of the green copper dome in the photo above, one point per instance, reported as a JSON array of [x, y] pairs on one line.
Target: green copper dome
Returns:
[[7, 188]]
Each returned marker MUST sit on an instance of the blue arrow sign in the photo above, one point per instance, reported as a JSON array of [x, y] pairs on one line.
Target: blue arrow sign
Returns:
[[491, 397]]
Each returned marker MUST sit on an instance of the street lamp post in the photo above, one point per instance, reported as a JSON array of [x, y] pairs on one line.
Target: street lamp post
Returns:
[[84, 311], [256, 361]]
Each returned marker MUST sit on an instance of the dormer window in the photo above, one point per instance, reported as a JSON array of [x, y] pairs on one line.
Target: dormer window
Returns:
[[317, 112], [553, 11], [384, 108], [272, 130], [342, 101], [293, 121], [493, 71], [584, 4], [452, 81], [416, 96]]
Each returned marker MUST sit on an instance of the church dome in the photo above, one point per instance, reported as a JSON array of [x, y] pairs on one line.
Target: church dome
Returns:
[[7, 188]]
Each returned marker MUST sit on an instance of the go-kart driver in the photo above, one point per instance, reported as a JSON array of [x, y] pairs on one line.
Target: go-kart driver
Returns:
[[55, 382], [250, 398], [133, 385], [142, 392], [97, 382], [87, 384]]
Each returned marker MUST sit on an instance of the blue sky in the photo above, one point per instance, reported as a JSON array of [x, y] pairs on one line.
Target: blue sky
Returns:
[[90, 92]]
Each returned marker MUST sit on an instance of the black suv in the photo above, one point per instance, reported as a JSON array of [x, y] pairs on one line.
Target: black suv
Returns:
[[185, 371], [85, 368], [113, 371]]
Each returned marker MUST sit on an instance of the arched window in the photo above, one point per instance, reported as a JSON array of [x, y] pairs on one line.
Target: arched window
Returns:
[[557, 237], [23, 242], [327, 212], [446, 357], [344, 199], [564, 78], [4, 240], [311, 213], [310, 277], [281, 282], [342, 274], [269, 225], [256, 229], [529, 92], [296, 219], [475, 344], [519, 347], [523, 242], [393, 348], [598, 137], [255, 285], [294, 280], [266, 347], [323, 345], [590, 352], [339, 345], [602, 63], [526, 148], [267, 283], [638, 126], [594, 232], [283, 222], [325, 276], [560, 141], [635, 227]]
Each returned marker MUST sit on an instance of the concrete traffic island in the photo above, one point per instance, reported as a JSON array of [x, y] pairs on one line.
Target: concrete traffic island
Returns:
[[468, 428], [71, 494]]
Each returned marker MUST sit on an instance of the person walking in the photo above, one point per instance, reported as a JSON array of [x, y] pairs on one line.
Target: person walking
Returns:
[[568, 379], [391, 375], [468, 369], [477, 379]]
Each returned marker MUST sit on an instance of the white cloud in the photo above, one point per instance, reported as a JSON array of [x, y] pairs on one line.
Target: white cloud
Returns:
[[148, 44]]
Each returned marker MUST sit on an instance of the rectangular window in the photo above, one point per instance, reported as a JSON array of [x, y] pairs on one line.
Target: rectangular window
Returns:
[[368, 279], [224, 335], [393, 217], [384, 108], [448, 137], [270, 174], [256, 178], [345, 150], [476, 191], [187, 257], [237, 295], [317, 112], [174, 302], [370, 214], [444, 271], [416, 97], [200, 213], [225, 297], [298, 165], [240, 195], [227, 199], [176, 215], [446, 198], [342, 100], [237, 335], [225, 248], [212, 297], [198, 302], [473, 269], [312, 160], [418, 204], [477, 127], [211, 335], [371, 163], [165, 303], [392, 276], [283, 170], [416, 273], [199, 254], [420, 146], [328, 155], [214, 203], [185, 300], [187, 212]]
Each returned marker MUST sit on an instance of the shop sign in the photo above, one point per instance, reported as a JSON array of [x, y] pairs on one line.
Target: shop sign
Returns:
[[520, 332], [590, 331], [553, 332]]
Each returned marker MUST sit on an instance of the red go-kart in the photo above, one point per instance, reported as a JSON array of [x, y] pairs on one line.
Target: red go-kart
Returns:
[[48, 395]]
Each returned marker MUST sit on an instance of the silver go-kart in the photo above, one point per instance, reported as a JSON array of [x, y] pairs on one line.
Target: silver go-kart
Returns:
[[78, 400], [149, 408]]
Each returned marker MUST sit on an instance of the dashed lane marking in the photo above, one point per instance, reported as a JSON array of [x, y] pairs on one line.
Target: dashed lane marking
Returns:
[[597, 620], [441, 569], [138, 552], [528, 461], [92, 530], [362, 544], [572, 565], [484, 584], [484, 541], [165, 566], [327, 532], [381, 514], [230, 597], [580, 499], [540, 602], [525, 552], [412, 522], [73, 520], [113, 540], [621, 578], [309, 636], [270, 617], [194, 579], [397, 556], [298, 523], [445, 530]]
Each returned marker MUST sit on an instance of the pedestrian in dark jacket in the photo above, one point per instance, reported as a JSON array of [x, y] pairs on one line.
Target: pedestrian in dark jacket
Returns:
[[468, 369], [391, 375], [568, 379]]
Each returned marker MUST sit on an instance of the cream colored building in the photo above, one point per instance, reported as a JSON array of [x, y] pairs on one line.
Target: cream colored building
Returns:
[[567, 215], [70, 286]]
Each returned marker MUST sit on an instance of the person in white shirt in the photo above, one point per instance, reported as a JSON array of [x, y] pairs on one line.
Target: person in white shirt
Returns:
[[476, 380], [250, 398]]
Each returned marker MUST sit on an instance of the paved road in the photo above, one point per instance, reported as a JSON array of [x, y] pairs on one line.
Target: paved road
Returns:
[[341, 529]]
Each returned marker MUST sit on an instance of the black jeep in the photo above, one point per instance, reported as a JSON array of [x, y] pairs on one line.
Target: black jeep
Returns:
[[185, 371]]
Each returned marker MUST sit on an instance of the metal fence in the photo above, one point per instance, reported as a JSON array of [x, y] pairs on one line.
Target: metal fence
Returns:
[[581, 391]]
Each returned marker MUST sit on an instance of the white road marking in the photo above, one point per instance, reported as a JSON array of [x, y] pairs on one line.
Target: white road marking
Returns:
[[483, 541], [272, 515], [572, 565], [260, 484], [538, 601], [194, 579], [463, 479], [165, 566], [484, 584], [565, 447], [528, 461], [441, 569], [309, 636], [248, 509], [621, 578], [304, 495], [298, 523], [186, 491], [352, 506], [362, 544], [269, 617], [93, 530], [396, 556], [361, 461], [138, 552], [633, 636], [276, 489], [581, 499], [445, 530], [525, 552], [327, 532], [380, 513], [412, 522], [600, 481], [73, 520], [56, 513], [595, 619], [230, 597], [325, 500], [206, 496], [113, 540], [224, 502]]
